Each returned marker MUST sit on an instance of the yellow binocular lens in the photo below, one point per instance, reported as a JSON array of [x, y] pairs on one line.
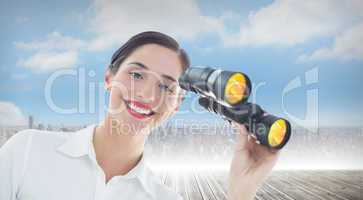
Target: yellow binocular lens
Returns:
[[235, 88], [277, 133]]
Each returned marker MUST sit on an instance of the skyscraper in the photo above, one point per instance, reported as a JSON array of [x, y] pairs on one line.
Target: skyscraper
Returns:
[[30, 122]]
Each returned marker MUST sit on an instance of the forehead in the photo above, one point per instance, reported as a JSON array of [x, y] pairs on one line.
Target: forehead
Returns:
[[157, 58]]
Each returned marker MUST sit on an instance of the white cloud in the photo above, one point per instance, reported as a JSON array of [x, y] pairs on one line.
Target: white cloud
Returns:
[[54, 41], [281, 23], [55, 52], [48, 61], [11, 115], [347, 46], [291, 22], [112, 23], [115, 21]]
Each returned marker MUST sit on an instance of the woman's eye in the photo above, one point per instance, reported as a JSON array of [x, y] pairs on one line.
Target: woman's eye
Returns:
[[136, 75], [165, 88]]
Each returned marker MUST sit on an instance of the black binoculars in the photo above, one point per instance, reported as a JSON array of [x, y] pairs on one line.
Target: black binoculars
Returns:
[[226, 93]]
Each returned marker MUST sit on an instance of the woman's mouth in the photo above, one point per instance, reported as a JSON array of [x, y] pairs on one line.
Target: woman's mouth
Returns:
[[138, 109]]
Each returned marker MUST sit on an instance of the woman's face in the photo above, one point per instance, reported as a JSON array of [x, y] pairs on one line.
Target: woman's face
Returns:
[[144, 91]]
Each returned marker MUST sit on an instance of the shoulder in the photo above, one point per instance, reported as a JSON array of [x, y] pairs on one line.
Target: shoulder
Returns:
[[16, 151], [17, 140], [25, 139], [160, 190]]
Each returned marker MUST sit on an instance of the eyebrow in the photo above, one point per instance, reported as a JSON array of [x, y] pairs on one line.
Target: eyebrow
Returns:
[[145, 67]]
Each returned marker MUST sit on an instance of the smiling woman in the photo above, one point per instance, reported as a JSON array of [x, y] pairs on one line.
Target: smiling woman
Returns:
[[105, 161]]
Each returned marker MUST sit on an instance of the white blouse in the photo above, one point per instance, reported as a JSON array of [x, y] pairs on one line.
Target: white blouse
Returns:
[[43, 165]]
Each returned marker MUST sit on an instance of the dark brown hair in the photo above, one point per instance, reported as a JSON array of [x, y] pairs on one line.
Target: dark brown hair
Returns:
[[148, 37]]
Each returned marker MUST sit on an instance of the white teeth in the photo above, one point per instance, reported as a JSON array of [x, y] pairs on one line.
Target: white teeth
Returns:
[[139, 110]]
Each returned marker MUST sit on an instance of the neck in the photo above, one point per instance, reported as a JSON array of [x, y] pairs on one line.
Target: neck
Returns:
[[117, 152]]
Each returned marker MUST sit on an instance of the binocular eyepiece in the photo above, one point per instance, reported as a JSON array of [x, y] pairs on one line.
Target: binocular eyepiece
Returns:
[[226, 93], [226, 87]]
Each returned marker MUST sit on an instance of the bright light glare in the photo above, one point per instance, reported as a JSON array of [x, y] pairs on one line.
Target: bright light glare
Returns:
[[187, 167]]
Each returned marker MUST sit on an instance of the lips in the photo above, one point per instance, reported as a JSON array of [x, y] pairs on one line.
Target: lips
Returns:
[[138, 109]]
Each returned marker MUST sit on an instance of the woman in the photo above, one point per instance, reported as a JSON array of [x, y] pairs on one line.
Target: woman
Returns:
[[105, 161]]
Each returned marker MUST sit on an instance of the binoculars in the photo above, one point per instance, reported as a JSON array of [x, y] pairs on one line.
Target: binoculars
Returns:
[[226, 93]]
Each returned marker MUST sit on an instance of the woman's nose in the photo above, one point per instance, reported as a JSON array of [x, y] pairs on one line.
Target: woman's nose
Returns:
[[146, 92]]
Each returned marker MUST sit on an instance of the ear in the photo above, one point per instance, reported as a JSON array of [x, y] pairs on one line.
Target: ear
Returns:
[[108, 79]]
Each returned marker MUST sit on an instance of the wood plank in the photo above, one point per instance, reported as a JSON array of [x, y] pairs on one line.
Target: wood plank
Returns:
[[317, 191], [182, 187], [333, 177], [280, 185], [331, 188], [291, 190], [194, 192], [218, 190], [268, 192], [204, 188]]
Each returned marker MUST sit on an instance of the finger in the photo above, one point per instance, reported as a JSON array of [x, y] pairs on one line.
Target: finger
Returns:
[[242, 137], [267, 162], [265, 157], [252, 141]]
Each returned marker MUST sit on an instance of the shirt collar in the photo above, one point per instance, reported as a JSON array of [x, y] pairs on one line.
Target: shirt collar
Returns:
[[80, 144]]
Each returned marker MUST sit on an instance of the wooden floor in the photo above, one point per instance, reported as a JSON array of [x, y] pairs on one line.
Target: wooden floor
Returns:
[[310, 185]]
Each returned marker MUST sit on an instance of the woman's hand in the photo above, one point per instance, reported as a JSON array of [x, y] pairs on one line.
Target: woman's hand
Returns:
[[250, 166]]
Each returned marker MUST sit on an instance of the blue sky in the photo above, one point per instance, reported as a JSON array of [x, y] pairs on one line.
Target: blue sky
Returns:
[[274, 42]]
